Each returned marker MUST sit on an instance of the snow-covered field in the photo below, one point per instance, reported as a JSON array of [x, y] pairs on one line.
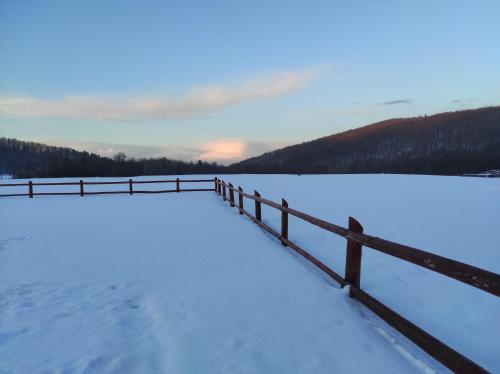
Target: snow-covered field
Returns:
[[181, 283]]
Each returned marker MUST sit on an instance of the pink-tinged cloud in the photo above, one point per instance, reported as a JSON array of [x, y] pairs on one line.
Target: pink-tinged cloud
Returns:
[[198, 101], [223, 151]]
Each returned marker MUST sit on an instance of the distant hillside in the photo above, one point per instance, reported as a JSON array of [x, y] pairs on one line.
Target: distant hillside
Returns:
[[460, 142], [448, 143], [30, 160]]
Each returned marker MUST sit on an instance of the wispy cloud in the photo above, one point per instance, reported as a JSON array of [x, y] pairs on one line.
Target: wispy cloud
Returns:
[[462, 102], [197, 101], [137, 151], [395, 102]]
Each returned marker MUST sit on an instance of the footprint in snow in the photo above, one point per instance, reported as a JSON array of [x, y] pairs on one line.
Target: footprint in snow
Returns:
[[120, 286], [131, 304], [12, 240]]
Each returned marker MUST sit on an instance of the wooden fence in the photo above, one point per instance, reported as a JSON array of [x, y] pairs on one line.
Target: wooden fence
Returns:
[[356, 240], [482, 279], [128, 190]]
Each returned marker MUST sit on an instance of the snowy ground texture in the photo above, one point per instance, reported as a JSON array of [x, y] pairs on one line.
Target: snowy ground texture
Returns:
[[180, 283]]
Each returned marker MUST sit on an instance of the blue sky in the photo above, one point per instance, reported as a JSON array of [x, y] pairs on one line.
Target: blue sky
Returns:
[[226, 80]]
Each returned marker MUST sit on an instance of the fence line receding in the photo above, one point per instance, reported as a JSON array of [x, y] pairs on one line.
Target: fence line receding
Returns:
[[481, 279], [356, 239], [81, 191]]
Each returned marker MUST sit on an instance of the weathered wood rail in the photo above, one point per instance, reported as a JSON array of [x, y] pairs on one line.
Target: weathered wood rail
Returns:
[[31, 192], [482, 279]]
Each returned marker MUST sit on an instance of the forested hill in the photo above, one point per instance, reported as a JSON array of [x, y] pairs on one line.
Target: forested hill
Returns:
[[30, 160], [460, 142], [448, 143]]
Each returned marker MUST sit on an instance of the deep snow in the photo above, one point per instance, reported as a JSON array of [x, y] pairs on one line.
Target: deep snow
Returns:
[[182, 283], [455, 217]]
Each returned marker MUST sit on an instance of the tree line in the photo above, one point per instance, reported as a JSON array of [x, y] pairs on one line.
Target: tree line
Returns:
[[34, 160]]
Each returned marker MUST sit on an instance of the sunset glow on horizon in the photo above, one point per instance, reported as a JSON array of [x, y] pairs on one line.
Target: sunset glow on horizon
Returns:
[[229, 80], [223, 151]]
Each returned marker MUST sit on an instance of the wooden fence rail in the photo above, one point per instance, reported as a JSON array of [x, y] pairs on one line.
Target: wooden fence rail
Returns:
[[482, 279], [130, 187]]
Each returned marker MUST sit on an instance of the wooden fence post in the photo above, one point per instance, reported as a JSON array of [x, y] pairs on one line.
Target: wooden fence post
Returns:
[[231, 195], [30, 189], [130, 190], [240, 199], [215, 184], [224, 190], [258, 213], [284, 223], [219, 188], [81, 187], [353, 255], [177, 185]]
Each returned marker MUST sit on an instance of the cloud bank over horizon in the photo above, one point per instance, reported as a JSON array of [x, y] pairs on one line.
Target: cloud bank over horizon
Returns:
[[223, 151], [396, 102], [197, 101]]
